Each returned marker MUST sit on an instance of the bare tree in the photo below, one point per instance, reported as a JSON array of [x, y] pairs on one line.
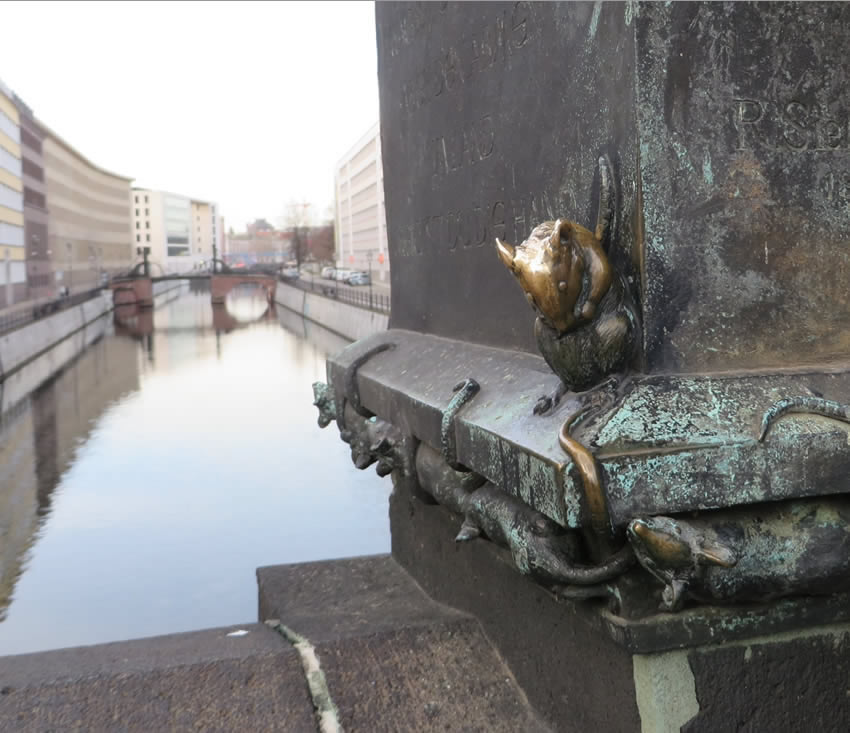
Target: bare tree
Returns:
[[296, 221]]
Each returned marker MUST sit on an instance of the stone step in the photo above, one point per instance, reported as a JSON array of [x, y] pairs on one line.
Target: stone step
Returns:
[[204, 680], [355, 645], [393, 658]]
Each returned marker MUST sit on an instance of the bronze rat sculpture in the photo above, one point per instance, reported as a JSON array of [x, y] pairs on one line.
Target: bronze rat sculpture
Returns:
[[751, 554], [586, 322]]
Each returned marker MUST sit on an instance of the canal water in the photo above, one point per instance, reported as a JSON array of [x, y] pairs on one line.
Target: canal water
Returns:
[[143, 484]]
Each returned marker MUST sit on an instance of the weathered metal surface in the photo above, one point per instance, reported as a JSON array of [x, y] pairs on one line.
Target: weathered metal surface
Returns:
[[539, 546], [742, 111], [721, 136], [493, 117], [323, 399], [754, 554], [666, 445], [463, 393], [727, 128]]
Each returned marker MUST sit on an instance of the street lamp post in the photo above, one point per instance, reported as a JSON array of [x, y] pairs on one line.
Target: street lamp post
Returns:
[[69, 271], [369, 260]]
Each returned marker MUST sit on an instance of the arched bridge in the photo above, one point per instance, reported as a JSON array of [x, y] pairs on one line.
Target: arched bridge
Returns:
[[137, 286]]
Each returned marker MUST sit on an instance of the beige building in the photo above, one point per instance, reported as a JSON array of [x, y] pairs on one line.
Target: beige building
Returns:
[[361, 229], [180, 231], [13, 273], [89, 222], [41, 282], [206, 231]]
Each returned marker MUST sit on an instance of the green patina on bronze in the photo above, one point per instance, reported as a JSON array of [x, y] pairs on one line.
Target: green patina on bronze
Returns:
[[323, 399], [728, 258]]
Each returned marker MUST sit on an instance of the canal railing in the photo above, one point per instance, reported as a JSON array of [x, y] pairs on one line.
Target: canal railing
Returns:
[[366, 298], [25, 313]]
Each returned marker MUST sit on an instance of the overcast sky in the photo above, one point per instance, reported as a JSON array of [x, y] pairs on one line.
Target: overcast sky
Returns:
[[249, 104]]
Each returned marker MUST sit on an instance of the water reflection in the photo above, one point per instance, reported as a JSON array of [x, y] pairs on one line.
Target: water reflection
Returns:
[[144, 484]]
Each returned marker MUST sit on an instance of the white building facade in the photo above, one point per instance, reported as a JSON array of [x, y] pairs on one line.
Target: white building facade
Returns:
[[361, 225], [180, 231]]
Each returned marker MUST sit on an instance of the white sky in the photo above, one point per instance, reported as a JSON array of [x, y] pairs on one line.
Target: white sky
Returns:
[[249, 104]]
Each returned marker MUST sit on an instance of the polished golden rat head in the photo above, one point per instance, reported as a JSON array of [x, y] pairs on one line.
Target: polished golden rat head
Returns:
[[563, 271]]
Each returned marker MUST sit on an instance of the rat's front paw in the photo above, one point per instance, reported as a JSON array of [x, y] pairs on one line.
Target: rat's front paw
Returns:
[[543, 405]]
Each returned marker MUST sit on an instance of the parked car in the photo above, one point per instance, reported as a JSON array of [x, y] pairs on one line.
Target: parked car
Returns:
[[358, 278], [291, 272], [328, 273], [342, 274]]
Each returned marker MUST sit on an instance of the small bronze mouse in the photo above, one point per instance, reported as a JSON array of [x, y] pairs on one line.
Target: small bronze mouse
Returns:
[[586, 322]]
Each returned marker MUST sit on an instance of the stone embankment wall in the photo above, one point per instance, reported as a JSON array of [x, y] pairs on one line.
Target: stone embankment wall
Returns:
[[21, 345], [347, 320]]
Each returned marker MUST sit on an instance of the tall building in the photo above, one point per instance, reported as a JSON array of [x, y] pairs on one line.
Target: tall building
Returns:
[[88, 217], [361, 228], [180, 231], [12, 251], [39, 267]]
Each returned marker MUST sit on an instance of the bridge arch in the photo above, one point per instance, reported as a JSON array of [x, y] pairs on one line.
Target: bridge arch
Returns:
[[138, 270], [222, 283]]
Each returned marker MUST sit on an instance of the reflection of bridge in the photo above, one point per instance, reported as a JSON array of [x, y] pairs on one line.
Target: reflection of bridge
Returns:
[[139, 322], [137, 287]]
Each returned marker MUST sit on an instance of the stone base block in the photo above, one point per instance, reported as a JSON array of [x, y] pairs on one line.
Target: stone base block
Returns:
[[583, 672], [394, 659]]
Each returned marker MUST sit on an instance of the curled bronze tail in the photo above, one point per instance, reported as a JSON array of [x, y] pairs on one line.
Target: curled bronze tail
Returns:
[[591, 477]]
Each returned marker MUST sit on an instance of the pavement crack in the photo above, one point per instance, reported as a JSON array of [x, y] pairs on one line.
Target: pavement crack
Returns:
[[326, 711]]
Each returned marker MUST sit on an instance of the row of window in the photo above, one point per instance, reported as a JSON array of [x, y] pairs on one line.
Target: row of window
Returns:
[[10, 128], [32, 169], [39, 281], [11, 199], [18, 270], [30, 140], [11, 234], [147, 237], [9, 162], [146, 199], [34, 198], [147, 211]]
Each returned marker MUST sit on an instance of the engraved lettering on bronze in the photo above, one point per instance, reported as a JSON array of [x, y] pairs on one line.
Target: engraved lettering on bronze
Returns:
[[497, 220], [495, 43], [794, 133], [835, 187], [451, 152], [789, 126], [473, 226], [520, 24], [747, 113]]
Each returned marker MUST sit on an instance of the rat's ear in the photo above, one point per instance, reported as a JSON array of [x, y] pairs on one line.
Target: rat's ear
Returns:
[[506, 253], [555, 236], [716, 554]]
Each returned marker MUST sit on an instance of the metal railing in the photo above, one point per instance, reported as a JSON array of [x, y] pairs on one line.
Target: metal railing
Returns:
[[25, 313], [363, 297]]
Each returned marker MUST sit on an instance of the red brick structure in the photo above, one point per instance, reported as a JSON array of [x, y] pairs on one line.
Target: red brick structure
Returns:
[[222, 283], [137, 290]]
